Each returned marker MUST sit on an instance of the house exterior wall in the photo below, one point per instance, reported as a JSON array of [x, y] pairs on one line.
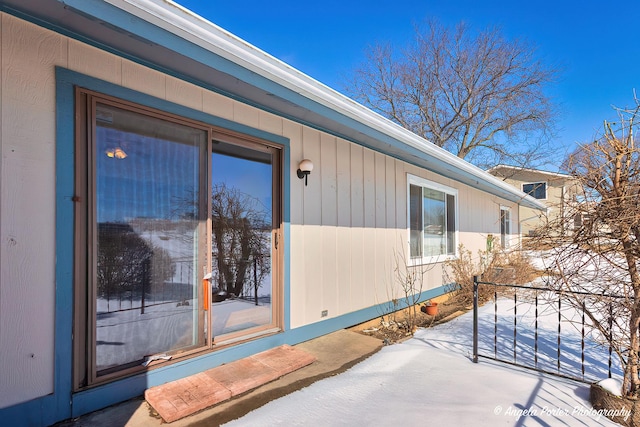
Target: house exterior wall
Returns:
[[350, 223], [345, 228], [27, 208], [560, 190]]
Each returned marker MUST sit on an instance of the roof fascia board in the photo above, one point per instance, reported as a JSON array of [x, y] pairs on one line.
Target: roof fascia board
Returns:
[[538, 171], [169, 24]]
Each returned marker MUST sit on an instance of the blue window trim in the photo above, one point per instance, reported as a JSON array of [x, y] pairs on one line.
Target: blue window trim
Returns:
[[100, 396], [63, 403]]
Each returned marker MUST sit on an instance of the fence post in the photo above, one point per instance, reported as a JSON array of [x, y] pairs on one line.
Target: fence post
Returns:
[[475, 319], [146, 276]]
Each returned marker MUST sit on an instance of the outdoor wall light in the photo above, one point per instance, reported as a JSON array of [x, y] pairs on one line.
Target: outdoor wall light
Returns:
[[304, 169]]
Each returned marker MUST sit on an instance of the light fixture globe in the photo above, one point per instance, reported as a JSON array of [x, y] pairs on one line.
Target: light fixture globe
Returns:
[[304, 169]]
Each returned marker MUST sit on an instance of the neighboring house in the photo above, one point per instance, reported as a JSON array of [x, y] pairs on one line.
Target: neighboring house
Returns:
[[557, 191], [153, 224]]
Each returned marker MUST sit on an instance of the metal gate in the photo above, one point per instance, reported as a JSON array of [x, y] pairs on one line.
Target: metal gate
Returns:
[[507, 329]]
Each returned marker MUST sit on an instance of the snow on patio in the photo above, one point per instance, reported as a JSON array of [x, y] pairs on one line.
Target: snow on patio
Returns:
[[431, 380]]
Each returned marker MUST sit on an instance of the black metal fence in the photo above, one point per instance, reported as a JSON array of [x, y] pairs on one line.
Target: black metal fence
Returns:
[[135, 285], [557, 356]]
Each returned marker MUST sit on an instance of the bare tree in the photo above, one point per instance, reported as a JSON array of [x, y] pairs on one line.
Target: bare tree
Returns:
[[127, 262], [410, 282], [240, 231], [602, 253], [479, 96], [241, 238]]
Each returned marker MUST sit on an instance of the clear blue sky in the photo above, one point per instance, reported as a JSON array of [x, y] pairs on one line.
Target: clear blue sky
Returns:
[[595, 43]]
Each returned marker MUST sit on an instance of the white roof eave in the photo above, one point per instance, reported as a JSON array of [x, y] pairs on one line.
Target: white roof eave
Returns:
[[180, 21]]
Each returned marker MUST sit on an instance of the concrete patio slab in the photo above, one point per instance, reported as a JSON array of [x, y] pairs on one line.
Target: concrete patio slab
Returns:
[[333, 353]]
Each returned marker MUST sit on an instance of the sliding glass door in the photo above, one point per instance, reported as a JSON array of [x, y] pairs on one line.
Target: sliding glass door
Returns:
[[177, 230], [242, 230], [147, 215]]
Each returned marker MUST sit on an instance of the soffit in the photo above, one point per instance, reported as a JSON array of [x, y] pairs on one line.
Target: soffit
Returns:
[[190, 49]]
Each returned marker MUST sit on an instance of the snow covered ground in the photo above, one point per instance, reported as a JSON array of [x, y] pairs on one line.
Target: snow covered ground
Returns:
[[128, 335], [430, 380]]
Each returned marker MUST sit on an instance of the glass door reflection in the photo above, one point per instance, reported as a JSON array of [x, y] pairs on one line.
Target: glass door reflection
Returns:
[[241, 235], [148, 212]]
